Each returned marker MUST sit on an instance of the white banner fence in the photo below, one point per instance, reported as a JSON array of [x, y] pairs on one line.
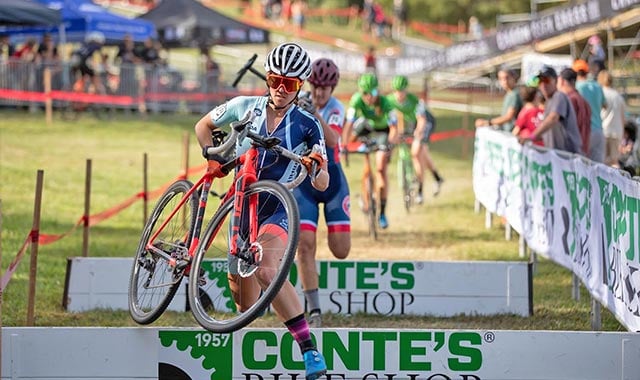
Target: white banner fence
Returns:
[[582, 215]]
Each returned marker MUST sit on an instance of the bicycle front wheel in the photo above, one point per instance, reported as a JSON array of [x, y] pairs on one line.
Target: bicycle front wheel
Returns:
[[214, 304], [158, 271], [405, 172]]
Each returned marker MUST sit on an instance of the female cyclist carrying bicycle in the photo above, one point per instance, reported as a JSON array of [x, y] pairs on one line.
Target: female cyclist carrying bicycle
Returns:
[[418, 122], [372, 114], [330, 113], [276, 115]]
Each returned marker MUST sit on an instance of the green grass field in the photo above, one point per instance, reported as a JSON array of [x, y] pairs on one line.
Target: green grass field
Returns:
[[444, 228]]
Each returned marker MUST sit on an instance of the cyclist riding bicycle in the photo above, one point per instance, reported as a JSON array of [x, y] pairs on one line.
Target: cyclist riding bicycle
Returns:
[[330, 113], [81, 68], [418, 122], [372, 114], [276, 115]]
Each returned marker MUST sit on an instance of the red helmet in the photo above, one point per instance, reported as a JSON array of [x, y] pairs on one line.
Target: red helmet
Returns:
[[324, 72]]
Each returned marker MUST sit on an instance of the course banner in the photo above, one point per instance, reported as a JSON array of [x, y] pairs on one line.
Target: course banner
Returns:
[[583, 215], [354, 354], [345, 287]]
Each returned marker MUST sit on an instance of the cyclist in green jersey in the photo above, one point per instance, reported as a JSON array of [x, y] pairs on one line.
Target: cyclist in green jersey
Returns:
[[415, 120], [372, 114]]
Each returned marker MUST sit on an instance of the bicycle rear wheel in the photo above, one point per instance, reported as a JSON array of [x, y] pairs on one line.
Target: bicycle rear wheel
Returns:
[[369, 193], [210, 297], [154, 278]]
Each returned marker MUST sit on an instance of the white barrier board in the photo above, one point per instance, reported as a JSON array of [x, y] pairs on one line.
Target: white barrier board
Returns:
[[387, 288], [363, 354]]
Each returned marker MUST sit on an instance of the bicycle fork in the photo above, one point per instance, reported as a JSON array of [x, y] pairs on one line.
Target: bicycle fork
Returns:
[[249, 254]]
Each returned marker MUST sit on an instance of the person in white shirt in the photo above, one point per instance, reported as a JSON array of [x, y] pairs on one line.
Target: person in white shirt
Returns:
[[613, 118]]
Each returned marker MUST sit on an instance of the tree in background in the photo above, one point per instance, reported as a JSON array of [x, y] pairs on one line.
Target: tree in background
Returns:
[[447, 12]]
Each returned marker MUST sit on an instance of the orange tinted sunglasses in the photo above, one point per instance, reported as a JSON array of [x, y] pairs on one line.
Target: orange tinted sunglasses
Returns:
[[290, 84]]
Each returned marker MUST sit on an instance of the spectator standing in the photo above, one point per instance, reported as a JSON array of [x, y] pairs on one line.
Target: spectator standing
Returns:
[[150, 54], [127, 59], [530, 115], [47, 52], [25, 70], [593, 94], [7, 49], [476, 31], [567, 84], [211, 69], [613, 118], [47, 57], [630, 149], [511, 103], [27, 52], [298, 9], [558, 128], [370, 60], [400, 18], [367, 16], [380, 23], [597, 54]]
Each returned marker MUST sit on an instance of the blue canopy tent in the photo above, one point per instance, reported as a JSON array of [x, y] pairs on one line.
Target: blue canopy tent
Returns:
[[23, 12], [80, 17]]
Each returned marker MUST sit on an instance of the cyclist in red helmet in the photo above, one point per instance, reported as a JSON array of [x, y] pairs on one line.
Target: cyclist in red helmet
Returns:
[[331, 115]]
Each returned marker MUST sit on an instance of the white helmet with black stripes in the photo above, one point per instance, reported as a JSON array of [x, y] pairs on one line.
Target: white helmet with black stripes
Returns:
[[290, 60]]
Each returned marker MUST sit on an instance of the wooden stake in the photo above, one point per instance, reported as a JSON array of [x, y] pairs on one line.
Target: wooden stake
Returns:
[[33, 268], [48, 105], [145, 189], [87, 209], [185, 154]]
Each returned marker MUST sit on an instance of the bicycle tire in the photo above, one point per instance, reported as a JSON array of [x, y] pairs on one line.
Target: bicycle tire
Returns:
[[212, 304], [153, 283], [405, 173], [371, 211]]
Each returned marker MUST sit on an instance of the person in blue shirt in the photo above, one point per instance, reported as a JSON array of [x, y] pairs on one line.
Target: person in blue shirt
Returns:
[[331, 115], [592, 92], [288, 65]]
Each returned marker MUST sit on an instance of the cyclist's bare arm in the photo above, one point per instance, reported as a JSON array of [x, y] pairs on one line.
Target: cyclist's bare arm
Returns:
[[421, 125], [203, 128], [321, 181], [347, 137], [331, 137]]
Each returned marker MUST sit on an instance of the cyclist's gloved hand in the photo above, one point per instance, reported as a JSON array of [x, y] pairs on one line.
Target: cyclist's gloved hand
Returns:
[[313, 161], [306, 103], [214, 157]]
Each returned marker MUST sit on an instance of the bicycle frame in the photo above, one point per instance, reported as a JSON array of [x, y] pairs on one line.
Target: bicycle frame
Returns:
[[246, 175], [214, 170]]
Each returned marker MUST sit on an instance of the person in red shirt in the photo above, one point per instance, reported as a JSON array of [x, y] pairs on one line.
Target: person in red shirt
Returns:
[[567, 84], [530, 115]]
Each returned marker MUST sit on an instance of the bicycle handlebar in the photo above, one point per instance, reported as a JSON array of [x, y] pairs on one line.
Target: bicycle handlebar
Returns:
[[248, 67], [239, 131]]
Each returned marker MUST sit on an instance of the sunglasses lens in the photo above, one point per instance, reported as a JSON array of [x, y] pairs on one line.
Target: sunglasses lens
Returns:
[[290, 84]]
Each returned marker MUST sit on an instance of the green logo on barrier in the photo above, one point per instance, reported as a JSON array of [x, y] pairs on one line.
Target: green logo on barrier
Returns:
[[209, 353], [217, 282], [413, 351], [366, 275], [620, 217], [539, 180]]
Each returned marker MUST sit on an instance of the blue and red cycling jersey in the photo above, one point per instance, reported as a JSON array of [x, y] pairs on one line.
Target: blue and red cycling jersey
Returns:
[[298, 131]]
